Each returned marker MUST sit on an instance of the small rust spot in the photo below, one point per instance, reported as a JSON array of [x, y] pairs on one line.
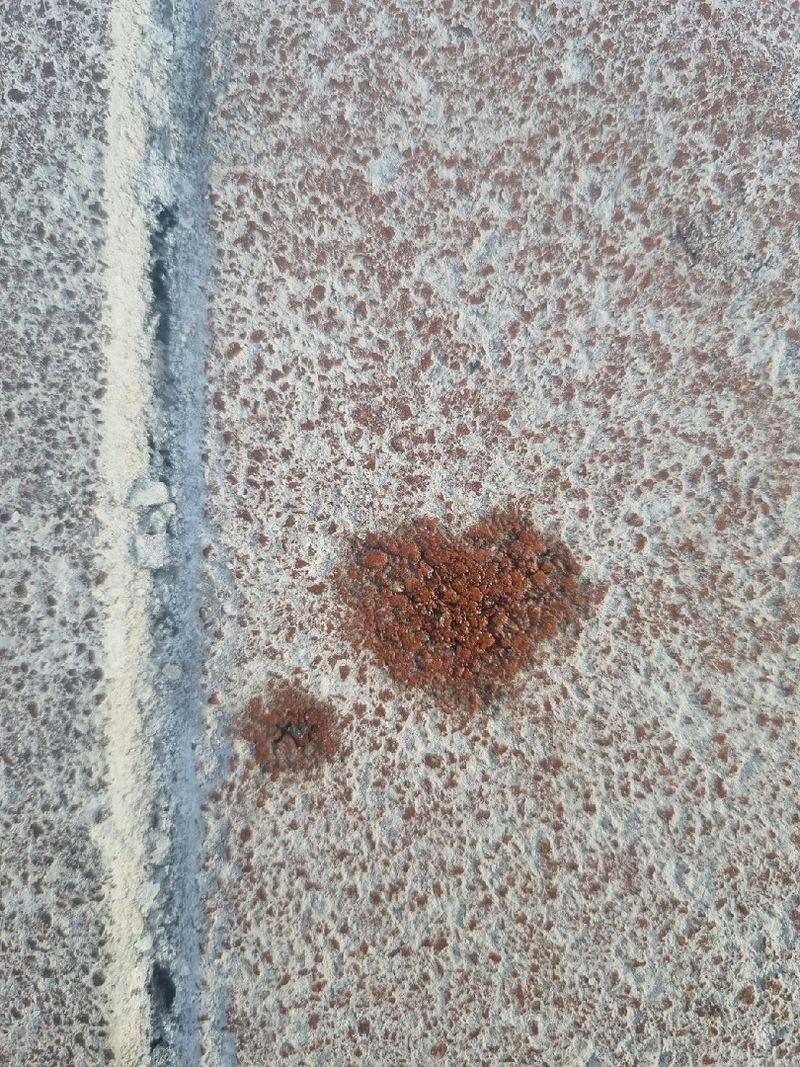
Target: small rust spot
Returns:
[[290, 730]]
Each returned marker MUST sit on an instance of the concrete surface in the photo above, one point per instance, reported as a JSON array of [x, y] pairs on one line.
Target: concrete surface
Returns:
[[100, 472], [54, 918], [343, 264]]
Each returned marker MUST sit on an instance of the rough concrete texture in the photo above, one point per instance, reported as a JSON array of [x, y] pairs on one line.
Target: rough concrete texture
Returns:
[[99, 502], [54, 922], [467, 251], [348, 264]]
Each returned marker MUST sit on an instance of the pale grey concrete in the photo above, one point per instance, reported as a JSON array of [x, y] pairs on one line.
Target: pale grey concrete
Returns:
[[54, 919]]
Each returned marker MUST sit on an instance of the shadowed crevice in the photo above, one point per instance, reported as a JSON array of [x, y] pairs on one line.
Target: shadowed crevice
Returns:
[[160, 282], [162, 991]]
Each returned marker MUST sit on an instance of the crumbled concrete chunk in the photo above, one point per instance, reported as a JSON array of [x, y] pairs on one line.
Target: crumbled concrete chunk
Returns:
[[151, 550], [148, 493]]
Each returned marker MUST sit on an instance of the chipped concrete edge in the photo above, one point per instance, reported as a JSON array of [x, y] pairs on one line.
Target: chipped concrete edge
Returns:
[[149, 515]]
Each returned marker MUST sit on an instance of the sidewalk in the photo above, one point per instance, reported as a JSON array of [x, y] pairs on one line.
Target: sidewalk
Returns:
[[348, 267]]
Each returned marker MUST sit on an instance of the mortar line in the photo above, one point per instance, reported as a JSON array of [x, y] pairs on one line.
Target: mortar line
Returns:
[[127, 593], [155, 341]]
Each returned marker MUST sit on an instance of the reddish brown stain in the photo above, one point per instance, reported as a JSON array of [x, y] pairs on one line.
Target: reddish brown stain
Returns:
[[290, 730], [460, 616]]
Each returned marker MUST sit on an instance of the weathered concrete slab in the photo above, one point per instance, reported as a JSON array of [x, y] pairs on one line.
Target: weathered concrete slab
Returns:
[[53, 914], [466, 252], [97, 959]]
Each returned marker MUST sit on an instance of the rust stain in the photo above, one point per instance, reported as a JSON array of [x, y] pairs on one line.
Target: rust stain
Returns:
[[289, 730], [460, 615]]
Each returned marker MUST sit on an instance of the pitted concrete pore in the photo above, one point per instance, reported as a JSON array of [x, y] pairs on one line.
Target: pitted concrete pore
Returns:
[[467, 251], [54, 945]]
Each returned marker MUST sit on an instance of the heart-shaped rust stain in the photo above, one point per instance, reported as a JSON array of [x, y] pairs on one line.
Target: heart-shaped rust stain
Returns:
[[460, 616]]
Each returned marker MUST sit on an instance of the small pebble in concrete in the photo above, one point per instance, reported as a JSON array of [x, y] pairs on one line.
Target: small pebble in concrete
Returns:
[[151, 550], [148, 493]]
